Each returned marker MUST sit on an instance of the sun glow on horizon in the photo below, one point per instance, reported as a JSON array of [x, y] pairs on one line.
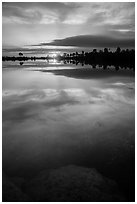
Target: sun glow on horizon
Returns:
[[54, 55]]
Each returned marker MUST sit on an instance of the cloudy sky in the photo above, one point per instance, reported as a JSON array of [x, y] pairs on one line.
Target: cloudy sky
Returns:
[[62, 23]]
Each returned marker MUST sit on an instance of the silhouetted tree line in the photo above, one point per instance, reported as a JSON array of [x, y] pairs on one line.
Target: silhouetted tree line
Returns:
[[7, 58], [122, 58]]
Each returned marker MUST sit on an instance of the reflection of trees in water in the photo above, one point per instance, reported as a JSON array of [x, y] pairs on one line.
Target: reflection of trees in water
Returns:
[[119, 58], [101, 66], [103, 58], [21, 63]]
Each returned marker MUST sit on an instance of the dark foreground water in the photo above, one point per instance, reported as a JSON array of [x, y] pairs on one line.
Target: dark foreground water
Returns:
[[63, 115]]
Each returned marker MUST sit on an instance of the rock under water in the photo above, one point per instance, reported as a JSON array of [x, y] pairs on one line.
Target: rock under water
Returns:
[[73, 183]]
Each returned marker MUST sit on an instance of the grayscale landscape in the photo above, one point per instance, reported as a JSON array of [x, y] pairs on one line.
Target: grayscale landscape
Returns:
[[68, 102]]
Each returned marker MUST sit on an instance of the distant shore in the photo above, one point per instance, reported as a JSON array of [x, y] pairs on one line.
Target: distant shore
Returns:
[[122, 58]]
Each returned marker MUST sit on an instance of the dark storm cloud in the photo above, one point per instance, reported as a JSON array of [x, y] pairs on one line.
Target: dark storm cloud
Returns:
[[92, 41]]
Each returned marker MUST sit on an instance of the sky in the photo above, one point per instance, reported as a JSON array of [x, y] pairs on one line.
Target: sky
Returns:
[[81, 24]]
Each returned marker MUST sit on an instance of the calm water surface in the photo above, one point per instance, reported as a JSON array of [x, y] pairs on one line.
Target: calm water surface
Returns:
[[52, 120]]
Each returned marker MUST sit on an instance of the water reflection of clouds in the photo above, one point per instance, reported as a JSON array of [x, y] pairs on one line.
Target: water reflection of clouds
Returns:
[[117, 95], [51, 120], [29, 104], [70, 94], [128, 85], [50, 126]]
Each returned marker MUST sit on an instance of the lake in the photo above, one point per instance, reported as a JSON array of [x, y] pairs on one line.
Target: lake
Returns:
[[55, 115]]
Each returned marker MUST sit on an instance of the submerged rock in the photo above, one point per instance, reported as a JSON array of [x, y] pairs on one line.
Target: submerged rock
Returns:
[[73, 183]]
